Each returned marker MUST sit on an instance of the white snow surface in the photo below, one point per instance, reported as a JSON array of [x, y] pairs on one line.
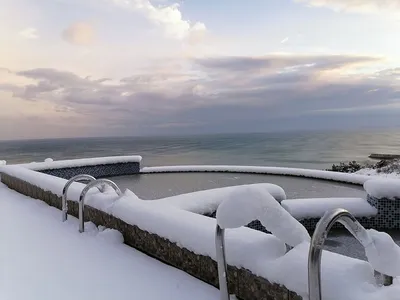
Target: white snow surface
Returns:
[[254, 203], [45, 259], [207, 201], [59, 164], [309, 173], [375, 173], [55, 185], [3, 162], [383, 188], [316, 207], [107, 273], [383, 253]]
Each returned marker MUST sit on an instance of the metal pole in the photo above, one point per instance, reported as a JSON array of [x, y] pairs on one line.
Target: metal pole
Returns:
[[221, 261], [92, 184], [318, 240], [64, 203]]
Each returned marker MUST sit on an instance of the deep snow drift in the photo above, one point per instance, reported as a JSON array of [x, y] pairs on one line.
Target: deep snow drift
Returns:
[[42, 258]]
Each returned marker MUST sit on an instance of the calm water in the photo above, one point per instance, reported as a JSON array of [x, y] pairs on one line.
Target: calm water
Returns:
[[298, 149]]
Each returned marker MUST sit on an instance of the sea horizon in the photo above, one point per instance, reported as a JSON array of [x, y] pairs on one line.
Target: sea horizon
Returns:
[[302, 148]]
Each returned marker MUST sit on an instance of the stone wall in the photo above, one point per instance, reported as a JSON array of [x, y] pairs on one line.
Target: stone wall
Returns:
[[242, 282], [97, 171]]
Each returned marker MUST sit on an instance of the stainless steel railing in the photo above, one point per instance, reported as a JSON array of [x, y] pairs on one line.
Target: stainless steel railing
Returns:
[[221, 261], [92, 184], [318, 240], [77, 178]]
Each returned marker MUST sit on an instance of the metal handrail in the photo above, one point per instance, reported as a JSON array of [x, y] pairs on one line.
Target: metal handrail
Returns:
[[221, 261], [318, 240], [92, 184], [77, 178]]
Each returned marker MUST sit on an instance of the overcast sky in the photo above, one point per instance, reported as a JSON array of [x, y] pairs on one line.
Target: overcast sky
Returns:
[[143, 67]]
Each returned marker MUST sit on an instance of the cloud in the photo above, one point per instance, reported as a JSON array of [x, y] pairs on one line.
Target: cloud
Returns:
[[361, 6], [214, 93], [29, 33], [285, 40], [168, 17], [79, 33]]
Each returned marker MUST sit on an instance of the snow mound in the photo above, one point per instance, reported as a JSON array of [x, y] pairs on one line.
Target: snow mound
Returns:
[[130, 194], [111, 236], [48, 160], [383, 188], [383, 253], [207, 201], [316, 207], [253, 202], [3, 162], [239, 209]]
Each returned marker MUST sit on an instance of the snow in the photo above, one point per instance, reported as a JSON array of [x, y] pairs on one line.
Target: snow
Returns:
[[383, 188], [374, 172], [207, 201], [236, 211], [55, 185], [48, 160], [383, 253], [62, 264], [108, 269], [3, 162], [48, 165], [254, 203], [316, 207], [309, 173]]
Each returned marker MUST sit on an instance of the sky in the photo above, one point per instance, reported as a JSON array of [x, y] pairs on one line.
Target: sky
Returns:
[[75, 68]]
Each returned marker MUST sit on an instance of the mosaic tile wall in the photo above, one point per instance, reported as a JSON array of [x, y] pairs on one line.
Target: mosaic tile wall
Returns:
[[98, 171], [388, 217]]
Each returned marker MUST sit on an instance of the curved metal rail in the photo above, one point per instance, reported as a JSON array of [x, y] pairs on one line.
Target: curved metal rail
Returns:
[[318, 240], [221, 261], [92, 184], [77, 178]]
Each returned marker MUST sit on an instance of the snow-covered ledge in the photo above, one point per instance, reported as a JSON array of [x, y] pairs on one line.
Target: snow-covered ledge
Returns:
[[98, 167], [384, 195], [307, 173], [259, 267]]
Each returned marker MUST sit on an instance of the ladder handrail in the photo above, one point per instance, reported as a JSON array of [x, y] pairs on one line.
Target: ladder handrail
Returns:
[[318, 240], [77, 178], [221, 261], [92, 184]]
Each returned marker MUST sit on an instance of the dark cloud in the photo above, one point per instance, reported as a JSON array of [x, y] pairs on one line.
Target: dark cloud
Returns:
[[217, 94]]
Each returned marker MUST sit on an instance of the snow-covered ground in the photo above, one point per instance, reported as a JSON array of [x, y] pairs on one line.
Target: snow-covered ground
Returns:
[[42, 258], [374, 172]]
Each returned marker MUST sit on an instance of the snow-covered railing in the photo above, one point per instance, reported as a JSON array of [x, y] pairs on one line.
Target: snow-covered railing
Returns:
[[308, 173], [240, 209], [318, 241], [77, 178], [96, 183]]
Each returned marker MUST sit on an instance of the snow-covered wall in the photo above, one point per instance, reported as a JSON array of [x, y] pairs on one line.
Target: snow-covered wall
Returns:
[[98, 167], [308, 173]]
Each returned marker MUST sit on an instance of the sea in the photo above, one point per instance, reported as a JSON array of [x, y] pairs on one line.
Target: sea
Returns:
[[308, 149]]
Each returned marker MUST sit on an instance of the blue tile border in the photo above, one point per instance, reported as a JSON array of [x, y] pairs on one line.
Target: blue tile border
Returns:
[[97, 171]]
